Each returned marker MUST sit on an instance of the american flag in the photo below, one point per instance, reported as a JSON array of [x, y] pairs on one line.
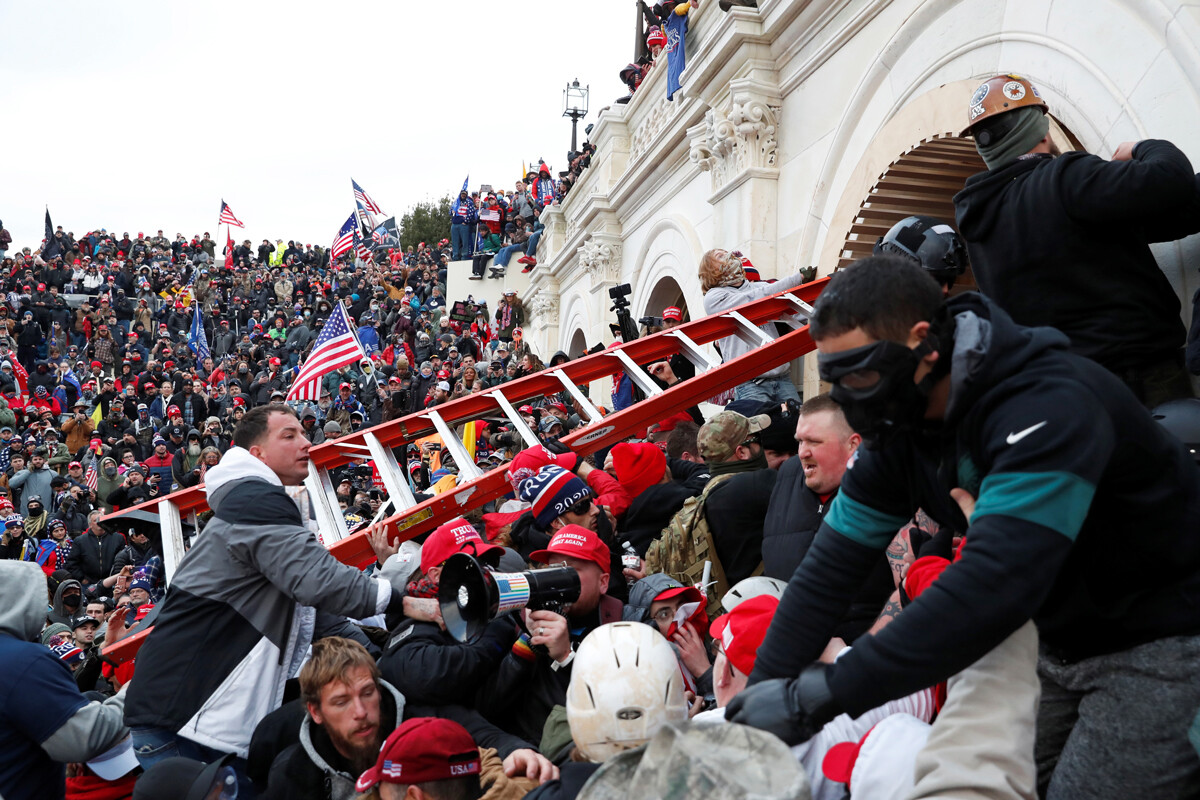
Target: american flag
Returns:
[[92, 478], [227, 216], [360, 248], [345, 239], [337, 346], [365, 200]]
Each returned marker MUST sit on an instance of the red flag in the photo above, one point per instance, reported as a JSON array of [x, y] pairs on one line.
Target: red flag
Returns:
[[21, 375], [229, 249]]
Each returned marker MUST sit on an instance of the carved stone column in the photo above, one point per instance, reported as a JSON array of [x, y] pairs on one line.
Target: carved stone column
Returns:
[[543, 316], [738, 145]]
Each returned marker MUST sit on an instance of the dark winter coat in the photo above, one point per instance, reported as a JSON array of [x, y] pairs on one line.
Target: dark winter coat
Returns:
[[1065, 242]]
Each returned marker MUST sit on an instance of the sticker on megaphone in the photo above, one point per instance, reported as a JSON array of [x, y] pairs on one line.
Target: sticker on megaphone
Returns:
[[512, 589]]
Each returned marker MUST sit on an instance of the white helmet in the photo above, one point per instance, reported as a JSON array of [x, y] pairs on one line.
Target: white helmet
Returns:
[[625, 685], [752, 587]]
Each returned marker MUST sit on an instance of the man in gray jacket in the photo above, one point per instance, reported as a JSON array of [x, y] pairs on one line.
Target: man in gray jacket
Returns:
[[243, 606], [33, 481], [47, 723]]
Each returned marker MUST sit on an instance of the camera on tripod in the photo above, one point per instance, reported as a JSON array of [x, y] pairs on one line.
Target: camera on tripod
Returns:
[[472, 595]]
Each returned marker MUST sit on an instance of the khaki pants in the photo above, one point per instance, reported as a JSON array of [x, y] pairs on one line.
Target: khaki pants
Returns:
[[981, 746]]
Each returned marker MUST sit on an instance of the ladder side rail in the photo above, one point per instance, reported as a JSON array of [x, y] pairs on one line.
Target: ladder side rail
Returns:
[[616, 426], [704, 330]]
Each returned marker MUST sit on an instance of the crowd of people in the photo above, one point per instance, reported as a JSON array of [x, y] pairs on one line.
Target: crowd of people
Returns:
[[921, 584]]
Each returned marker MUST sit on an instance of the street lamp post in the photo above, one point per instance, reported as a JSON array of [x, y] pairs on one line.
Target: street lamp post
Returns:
[[575, 106]]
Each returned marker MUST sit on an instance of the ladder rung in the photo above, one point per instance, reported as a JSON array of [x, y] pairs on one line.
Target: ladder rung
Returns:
[[803, 308], [323, 496], [466, 465], [692, 352], [394, 477], [171, 526], [592, 412], [514, 416], [352, 446], [637, 374], [749, 329]]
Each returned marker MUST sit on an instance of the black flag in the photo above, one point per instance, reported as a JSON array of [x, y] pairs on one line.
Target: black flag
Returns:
[[52, 248]]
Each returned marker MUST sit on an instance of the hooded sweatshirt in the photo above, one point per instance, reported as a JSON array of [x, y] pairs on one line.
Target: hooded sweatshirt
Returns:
[[237, 618], [1062, 459], [1066, 242], [44, 721], [59, 612]]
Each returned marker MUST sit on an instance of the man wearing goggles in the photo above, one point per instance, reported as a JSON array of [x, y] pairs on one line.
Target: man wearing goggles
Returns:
[[1061, 481]]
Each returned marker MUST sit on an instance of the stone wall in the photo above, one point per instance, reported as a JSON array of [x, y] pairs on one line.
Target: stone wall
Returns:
[[789, 113]]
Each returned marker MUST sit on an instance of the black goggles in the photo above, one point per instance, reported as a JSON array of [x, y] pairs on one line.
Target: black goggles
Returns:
[[860, 371]]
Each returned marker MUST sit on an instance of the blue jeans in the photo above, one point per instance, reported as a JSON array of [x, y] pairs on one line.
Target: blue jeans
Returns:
[[506, 253], [775, 390], [531, 246], [152, 745], [460, 241]]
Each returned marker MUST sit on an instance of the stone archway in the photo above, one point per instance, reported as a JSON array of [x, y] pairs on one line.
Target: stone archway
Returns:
[[667, 292], [578, 344], [923, 181]]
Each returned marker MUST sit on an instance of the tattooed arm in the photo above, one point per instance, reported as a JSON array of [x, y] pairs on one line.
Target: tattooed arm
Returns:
[[889, 613]]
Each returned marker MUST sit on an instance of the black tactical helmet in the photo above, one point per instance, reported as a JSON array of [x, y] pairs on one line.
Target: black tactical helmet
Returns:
[[931, 243], [1181, 418]]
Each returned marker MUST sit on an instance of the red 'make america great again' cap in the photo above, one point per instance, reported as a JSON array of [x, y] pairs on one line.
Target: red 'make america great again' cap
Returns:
[[423, 749]]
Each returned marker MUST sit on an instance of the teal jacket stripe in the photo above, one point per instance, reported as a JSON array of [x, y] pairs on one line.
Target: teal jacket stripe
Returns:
[[861, 523], [1055, 500]]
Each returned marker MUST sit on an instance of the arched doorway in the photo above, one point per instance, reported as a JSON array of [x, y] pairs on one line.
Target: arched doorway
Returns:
[[667, 292], [924, 180], [578, 345]]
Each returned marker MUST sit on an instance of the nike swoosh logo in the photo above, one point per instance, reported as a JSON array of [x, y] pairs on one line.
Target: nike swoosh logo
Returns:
[[1013, 438]]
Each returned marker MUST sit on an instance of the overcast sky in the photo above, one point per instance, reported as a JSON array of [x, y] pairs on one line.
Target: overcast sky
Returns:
[[144, 114]]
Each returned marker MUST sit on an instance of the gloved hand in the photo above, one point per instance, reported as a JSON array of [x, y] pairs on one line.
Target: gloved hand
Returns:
[[794, 709]]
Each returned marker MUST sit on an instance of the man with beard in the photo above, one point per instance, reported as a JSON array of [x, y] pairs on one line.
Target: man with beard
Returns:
[[349, 712], [1063, 240]]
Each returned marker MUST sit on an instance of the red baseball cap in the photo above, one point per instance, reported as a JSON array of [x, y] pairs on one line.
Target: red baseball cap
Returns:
[[423, 749], [455, 536], [741, 631], [559, 405], [528, 462], [667, 425], [673, 312], [576, 541]]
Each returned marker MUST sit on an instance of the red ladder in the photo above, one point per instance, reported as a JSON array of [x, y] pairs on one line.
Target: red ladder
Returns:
[[412, 519]]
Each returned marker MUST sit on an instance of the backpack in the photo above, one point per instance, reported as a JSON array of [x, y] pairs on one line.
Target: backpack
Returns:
[[686, 543]]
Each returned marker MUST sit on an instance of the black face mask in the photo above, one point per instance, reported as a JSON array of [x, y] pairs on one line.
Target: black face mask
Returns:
[[874, 385], [70, 601]]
